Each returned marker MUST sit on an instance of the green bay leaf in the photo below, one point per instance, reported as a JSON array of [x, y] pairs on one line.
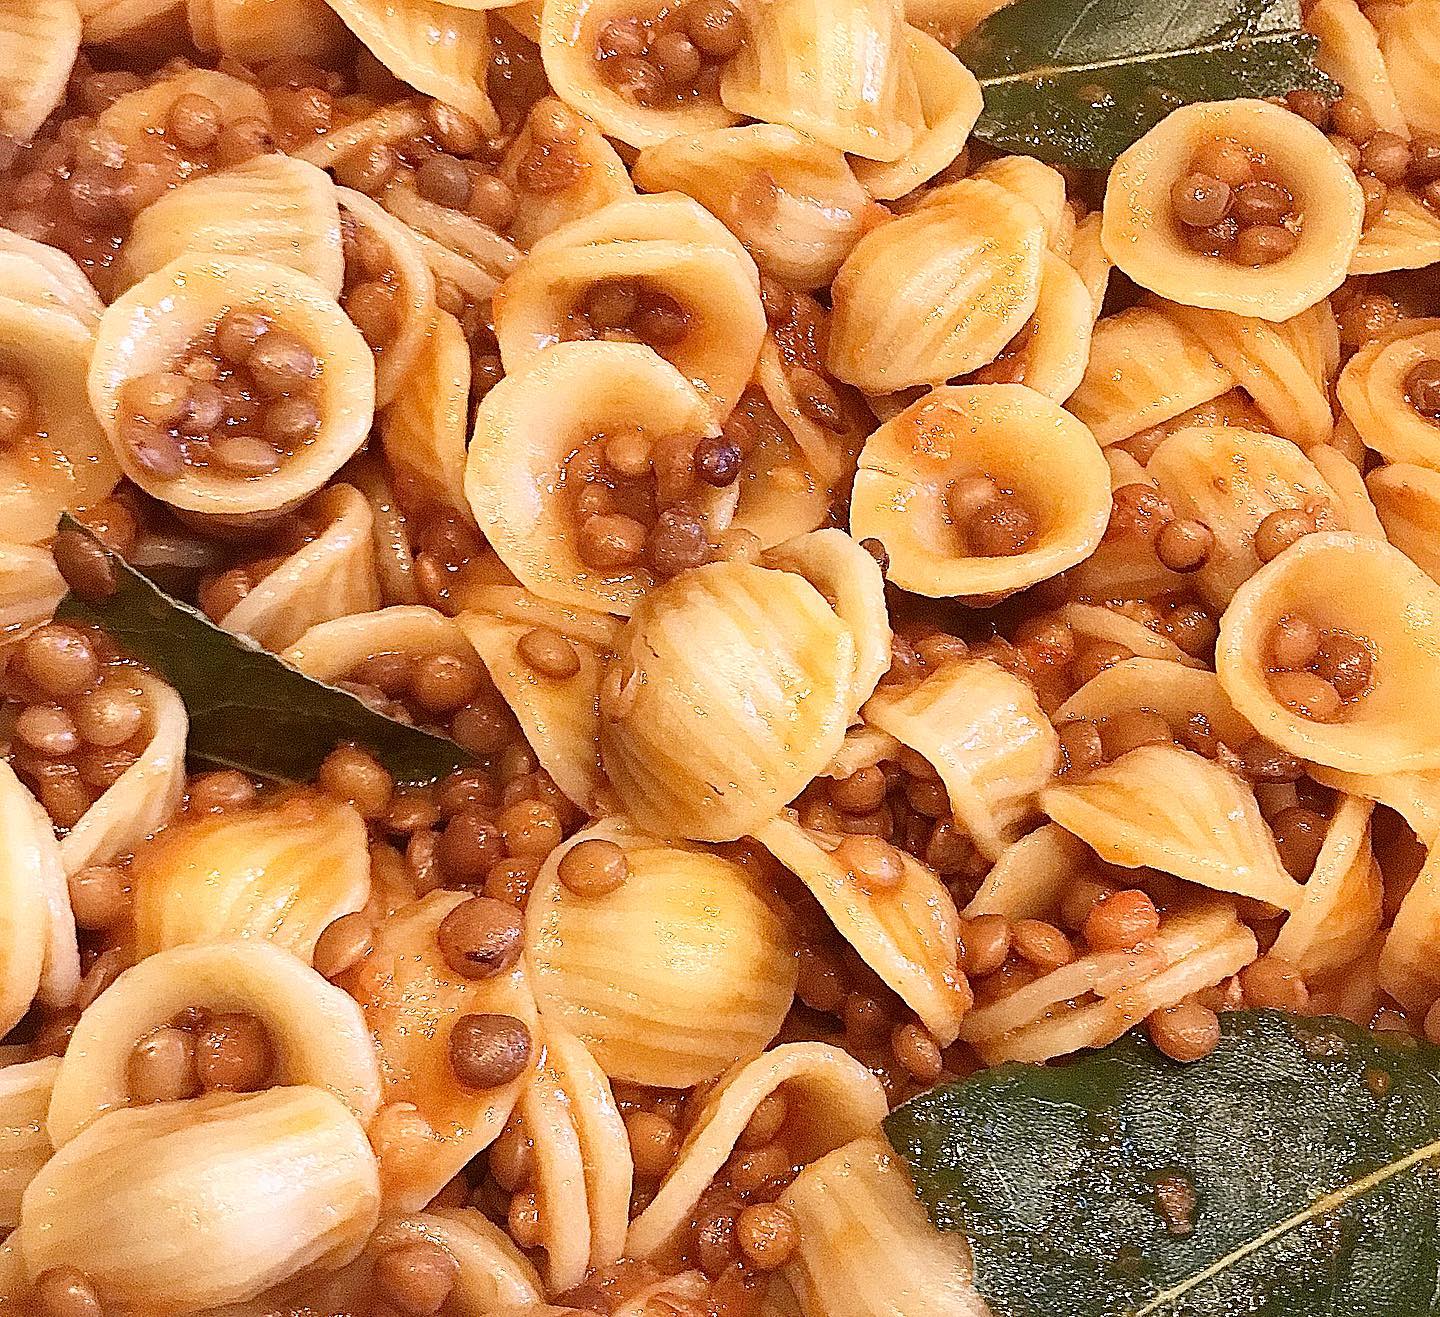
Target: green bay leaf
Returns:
[[1077, 84], [248, 708], [1294, 1171]]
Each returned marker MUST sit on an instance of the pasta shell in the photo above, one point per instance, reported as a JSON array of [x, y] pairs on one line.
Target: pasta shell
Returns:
[[1031, 875], [1051, 352], [731, 688], [272, 208], [280, 873], [1373, 591], [1413, 796], [559, 715], [782, 491], [24, 1145], [1341, 906], [44, 276], [316, 1032], [145, 796], [1087, 257], [867, 1249], [458, 247], [950, 103], [1179, 694], [1112, 626], [27, 862], [30, 588], [1407, 499], [1374, 394], [1180, 813], [139, 116], [1143, 238], [838, 70], [569, 42], [39, 40], [1282, 366], [671, 978], [399, 358], [697, 263], [1356, 509], [830, 1099], [1409, 36], [410, 996], [1196, 948], [205, 1202], [583, 1169], [602, 177], [1031, 180], [1350, 53], [1144, 369], [152, 324], [938, 292], [905, 933], [436, 48], [829, 450], [394, 555], [331, 576], [387, 125], [255, 31], [1232, 479], [525, 430], [792, 201], [1007, 432], [1407, 969], [1405, 236], [988, 738]]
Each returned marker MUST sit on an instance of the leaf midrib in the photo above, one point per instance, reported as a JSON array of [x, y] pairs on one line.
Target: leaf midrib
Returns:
[[1335, 1198]]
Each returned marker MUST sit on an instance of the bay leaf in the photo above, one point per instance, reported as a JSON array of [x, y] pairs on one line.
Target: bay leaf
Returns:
[[1078, 83], [248, 708], [1294, 1171]]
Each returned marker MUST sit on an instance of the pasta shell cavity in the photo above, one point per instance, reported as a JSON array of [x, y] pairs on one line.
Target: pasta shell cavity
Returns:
[[1356, 592], [831, 1098], [1273, 278], [906, 932], [526, 469], [983, 731], [731, 688], [176, 311], [205, 1202], [316, 1033], [683, 279], [939, 292], [960, 489], [279, 872], [1374, 391], [671, 978]]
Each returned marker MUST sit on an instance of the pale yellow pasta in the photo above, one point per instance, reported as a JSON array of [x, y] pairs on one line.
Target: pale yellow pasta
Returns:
[[863, 747], [866, 1247], [731, 688], [317, 1033], [906, 932], [1357, 510], [1350, 53], [1371, 590], [1413, 796], [1143, 238], [835, 69], [560, 716], [1113, 626], [1015, 436], [938, 292], [1405, 236], [1031, 875], [1144, 370], [1407, 969], [1173, 810], [332, 575], [273, 208], [830, 1099], [332, 650], [527, 427], [24, 1144], [670, 979], [793, 202], [1232, 479], [436, 48], [146, 794], [120, 22], [387, 125], [141, 115], [266, 29], [569, 39], [985, 734], [414, 304], [1051, 352], [1031, 180], [205, 1202], [830, 449], [950, 103], [671, 245], [1409, 35], [458, 248], [1087, 257], [46, 277], [1407, 499], [39, 40], [27, 855], [30, 587], [394, 553], [430, 1125], [1341, 907], [136, 338], [781, 491], [280, 872], [1374, 393]]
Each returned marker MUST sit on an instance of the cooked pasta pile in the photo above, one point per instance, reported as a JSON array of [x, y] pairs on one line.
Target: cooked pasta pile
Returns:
[[903, 607]]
